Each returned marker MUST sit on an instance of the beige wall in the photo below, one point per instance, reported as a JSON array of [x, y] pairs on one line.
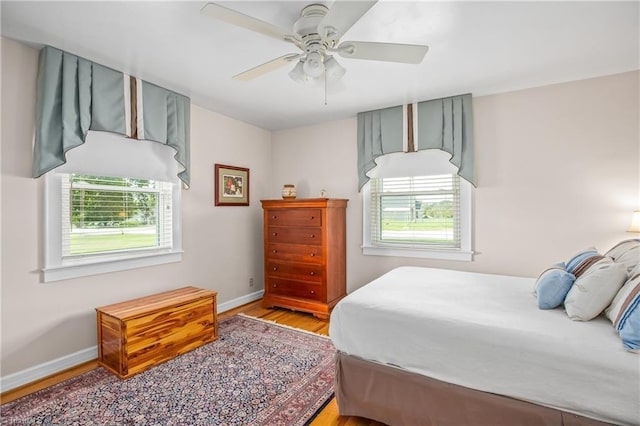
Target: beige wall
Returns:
[[558, 170], [222, 245]]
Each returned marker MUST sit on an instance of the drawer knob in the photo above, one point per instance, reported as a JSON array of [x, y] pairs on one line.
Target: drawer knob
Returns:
[[275, 268], [312, 273], [312, 236], [274, 217], [274, 234], [312, 255], [275, 285], [275, 251], [313, 217], [313, 292]]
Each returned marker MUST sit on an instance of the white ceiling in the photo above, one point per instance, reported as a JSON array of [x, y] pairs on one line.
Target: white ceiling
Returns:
[[475, 47]]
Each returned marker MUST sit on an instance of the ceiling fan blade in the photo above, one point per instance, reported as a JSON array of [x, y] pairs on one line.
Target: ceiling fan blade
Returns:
[[266, 67], [231, 16], [389, 52], [342, 16]]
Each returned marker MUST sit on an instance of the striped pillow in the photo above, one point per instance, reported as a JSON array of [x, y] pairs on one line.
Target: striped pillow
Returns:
[[580, 259], [598, 280], [624, 312], [627, 252]]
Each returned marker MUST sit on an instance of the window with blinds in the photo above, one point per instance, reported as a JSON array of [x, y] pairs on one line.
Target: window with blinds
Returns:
[[416, 212], [112, 215]]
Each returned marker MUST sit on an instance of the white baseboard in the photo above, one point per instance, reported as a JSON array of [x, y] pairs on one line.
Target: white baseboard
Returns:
[[39, 372], [46, 369], [239, 301]]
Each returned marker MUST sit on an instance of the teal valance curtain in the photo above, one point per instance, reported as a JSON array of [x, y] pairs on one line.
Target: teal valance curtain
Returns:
[[445, 124], [75, 95], [379, 133], [165, 118]]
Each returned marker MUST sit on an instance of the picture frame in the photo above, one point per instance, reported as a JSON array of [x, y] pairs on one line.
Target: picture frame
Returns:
[[231, 185]]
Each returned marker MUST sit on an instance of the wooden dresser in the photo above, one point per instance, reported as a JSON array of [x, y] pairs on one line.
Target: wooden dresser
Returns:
[[305, 254], [137, 334]]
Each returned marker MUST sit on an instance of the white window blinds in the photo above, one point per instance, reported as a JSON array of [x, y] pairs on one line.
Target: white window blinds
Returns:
[[111, 215], [416, 212]]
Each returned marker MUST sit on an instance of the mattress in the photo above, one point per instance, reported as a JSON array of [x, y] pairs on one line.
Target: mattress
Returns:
[[485, 332]]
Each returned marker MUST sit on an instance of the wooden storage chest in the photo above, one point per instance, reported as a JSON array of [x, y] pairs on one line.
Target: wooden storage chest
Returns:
[[305, 254], [135, 335]]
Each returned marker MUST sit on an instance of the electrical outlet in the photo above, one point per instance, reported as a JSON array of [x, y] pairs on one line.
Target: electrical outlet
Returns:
[[250, 282]]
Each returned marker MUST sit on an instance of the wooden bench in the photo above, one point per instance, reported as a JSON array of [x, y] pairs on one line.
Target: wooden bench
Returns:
[[135, 335]]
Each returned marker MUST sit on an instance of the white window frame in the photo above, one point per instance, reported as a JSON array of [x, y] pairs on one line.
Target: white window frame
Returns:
[[415, 164], [95, 157]]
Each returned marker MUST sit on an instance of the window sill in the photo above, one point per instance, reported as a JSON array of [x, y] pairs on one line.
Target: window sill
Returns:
[[460, 255], [102, 266]]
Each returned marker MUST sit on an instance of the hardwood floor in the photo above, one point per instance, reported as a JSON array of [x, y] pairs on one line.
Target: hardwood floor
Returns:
[[328, 416]]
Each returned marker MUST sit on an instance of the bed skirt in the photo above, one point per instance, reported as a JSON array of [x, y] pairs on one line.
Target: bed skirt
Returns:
[[397, 397]]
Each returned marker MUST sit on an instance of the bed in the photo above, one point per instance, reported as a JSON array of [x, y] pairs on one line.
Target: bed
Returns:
[[440, 347]]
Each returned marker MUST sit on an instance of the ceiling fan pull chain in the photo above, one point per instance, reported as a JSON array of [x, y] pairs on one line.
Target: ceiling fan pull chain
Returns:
[[325, 87]]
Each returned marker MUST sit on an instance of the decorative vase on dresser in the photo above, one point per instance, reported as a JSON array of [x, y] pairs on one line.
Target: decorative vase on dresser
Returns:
[[305, 254]]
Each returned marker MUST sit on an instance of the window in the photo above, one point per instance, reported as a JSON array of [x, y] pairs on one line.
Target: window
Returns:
[[408, 213], [420, 211], [114, 205], [109, 215]]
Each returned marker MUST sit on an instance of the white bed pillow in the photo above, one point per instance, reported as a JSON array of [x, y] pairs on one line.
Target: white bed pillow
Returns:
[[624, 312], [594, 289], [627, 252], [621, 299]]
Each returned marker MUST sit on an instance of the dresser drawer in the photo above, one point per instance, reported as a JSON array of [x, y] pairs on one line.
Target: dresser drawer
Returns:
[[294, 253], [294, 217], [305, 290], [296, 271], [309, 236]]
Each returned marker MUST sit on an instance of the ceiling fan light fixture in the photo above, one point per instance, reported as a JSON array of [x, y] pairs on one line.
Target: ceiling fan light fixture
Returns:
[[333, 69], [313, 65], [297, 74]]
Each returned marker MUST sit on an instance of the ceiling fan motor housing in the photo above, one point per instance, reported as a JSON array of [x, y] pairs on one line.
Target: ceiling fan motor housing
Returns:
[[307, 28]]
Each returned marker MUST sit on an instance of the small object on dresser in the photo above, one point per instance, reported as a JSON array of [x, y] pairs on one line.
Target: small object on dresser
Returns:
[[289, 191], [323, 193]]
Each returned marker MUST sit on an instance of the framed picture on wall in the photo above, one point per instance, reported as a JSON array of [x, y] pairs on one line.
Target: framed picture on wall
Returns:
[[231, 186]]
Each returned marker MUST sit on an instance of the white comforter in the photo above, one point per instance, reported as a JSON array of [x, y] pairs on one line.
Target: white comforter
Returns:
[[485, 332]]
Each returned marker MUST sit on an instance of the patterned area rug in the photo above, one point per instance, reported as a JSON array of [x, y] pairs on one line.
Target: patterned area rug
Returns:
[[256, 373]]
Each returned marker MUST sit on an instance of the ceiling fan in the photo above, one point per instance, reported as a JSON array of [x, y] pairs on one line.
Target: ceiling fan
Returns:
[[317, 34]]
